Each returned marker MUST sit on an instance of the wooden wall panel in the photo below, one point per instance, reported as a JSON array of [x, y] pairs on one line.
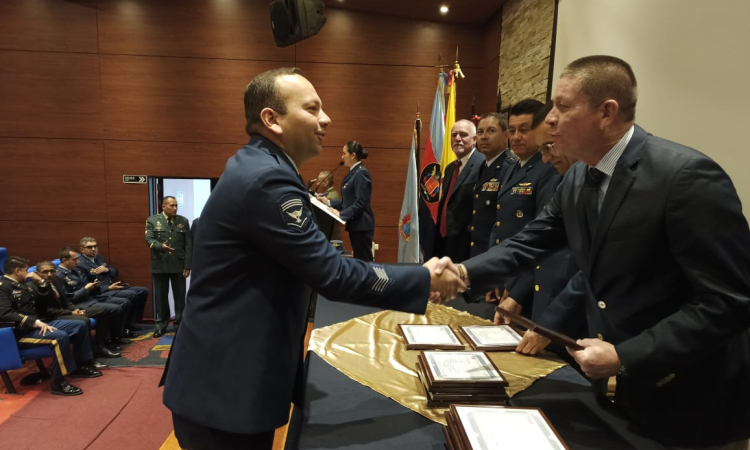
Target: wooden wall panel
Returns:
[[491, 38], [387, 240], [231, 29], [51, 95], [357, 38], [129, 202], [53, 180], [130, 255], [377, 105], [487, 100], [41, 240], [176, 99], [48, 25]]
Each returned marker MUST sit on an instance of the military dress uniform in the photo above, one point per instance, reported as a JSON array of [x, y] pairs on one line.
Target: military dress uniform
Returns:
[[237, 361], [18, 305], [136, 295], [525, 192], [356, 210], [75, 282], [167, 267], [488, 185]]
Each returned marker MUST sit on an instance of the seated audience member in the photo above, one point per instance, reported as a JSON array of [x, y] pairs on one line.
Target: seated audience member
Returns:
[[84, 294], [17, 305], [55, 305], [96, 267]]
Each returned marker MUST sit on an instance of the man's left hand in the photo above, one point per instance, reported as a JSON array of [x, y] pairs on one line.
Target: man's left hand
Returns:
[[532, 343], [79, 312], [598, 359], [186, 273], [116, 286]]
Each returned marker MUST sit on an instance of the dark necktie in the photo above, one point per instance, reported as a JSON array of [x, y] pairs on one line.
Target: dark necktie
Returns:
[[443, 218], [170, 221], [594, 178]]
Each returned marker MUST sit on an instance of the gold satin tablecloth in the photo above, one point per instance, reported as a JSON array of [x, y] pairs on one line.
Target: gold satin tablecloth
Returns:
[[370, 350]]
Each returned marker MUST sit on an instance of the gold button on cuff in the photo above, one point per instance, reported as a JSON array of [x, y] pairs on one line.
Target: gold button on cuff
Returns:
[[472, 244], [536, 287], [497, 241], [474, 212], [476, 195], [601, 304], [472, 228], [498, 206], [600, 337], [497, 224], [537, 267]]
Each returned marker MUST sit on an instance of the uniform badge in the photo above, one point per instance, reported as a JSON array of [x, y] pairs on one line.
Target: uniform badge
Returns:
[[179, 225], [158, 225], [519, 214], [522, 189], [491, 186], [294, 212]]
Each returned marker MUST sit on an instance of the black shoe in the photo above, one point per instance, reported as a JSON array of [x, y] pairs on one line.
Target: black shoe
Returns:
[[159, 332], [128, 333], [97, 365], [64, 388], [123, 341], [85, 372], [111, 345], [104, 352]]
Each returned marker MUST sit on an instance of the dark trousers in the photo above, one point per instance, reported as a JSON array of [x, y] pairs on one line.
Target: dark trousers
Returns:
[[362, 244], [161, 297], [102, 317], [136, 297], [192, 436], [68, 331], [116, 314]]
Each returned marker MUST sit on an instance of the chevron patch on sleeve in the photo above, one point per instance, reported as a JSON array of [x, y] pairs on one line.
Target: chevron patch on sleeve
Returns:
[[383, 280], [294, 212]]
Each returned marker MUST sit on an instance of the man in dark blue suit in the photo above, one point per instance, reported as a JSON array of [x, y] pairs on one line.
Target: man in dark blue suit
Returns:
[[236, 363], [454, 209], [658, 232]]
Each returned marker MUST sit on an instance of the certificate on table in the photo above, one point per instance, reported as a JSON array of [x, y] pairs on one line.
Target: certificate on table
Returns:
[[426, 337], [448, 367], [491, 337], [506, 428]]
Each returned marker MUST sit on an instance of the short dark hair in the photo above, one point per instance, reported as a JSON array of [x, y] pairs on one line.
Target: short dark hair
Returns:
[[526, 106], [65, 252], [44, 263], [501, 120], [166, 197], [263, 92], [356, 148], [86, 240], [541, 115], [13, 263], [603, 77]]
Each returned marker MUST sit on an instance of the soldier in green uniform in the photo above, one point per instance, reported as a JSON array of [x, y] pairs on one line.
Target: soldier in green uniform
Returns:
[[171, 243]]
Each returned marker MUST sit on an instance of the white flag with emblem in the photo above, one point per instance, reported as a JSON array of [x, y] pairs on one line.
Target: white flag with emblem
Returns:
[[408, 224]]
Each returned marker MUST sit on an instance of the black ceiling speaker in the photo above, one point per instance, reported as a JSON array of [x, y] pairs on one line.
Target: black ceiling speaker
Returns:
[[296, 20]]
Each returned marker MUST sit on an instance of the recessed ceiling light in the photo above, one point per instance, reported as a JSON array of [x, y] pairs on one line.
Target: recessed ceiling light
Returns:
[[443, 9]]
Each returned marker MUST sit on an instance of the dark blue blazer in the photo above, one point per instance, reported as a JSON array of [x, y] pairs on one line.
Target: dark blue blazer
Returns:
[[457, 212], [668, 286], [236, 362], [356, 192], [105, 278]]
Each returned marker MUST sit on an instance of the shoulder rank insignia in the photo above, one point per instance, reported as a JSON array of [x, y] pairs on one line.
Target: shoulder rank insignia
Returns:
[[294, 213]]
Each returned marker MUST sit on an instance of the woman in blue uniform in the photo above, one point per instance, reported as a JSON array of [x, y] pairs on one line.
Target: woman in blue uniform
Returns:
[[354, 206]]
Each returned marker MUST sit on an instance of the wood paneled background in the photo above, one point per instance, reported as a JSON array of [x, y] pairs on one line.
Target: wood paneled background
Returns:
[[94, 89]]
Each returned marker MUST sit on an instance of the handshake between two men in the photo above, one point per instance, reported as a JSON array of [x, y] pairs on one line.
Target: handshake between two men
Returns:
[[447, 280]]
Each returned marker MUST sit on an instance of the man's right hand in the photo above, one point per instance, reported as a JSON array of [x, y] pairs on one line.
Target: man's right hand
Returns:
[[166, 248], [445, 282], [44, 327], [92, 285], [507, 304]]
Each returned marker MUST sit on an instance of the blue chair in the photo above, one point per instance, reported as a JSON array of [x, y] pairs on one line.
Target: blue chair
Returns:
[[3, 258]]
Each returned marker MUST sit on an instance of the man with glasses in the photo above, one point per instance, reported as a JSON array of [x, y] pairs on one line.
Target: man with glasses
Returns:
[[83, 294], [96, 267], [55, 305], [18, 306]]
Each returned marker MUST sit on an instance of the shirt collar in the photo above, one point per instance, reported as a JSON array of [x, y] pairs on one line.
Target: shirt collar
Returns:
[[609, 161], [93, 260], [465, 159], [355, 165], [490, 162]]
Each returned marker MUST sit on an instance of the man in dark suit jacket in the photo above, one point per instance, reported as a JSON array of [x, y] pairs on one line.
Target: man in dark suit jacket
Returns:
[[237, 360], [658, 232], [454, 209]]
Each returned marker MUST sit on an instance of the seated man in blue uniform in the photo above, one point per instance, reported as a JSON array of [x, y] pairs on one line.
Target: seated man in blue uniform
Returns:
[[236, 362], [97, 269], [18, 306]]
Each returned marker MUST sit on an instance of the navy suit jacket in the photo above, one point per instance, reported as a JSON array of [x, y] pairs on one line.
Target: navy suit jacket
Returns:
[[356, 192], [236, 362], [458, 211], [668, 285]]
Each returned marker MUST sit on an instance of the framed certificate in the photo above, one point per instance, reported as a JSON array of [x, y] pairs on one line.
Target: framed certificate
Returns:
[[553, 336], [503, 428], [429, 337], [491, 337], [461, 368]]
